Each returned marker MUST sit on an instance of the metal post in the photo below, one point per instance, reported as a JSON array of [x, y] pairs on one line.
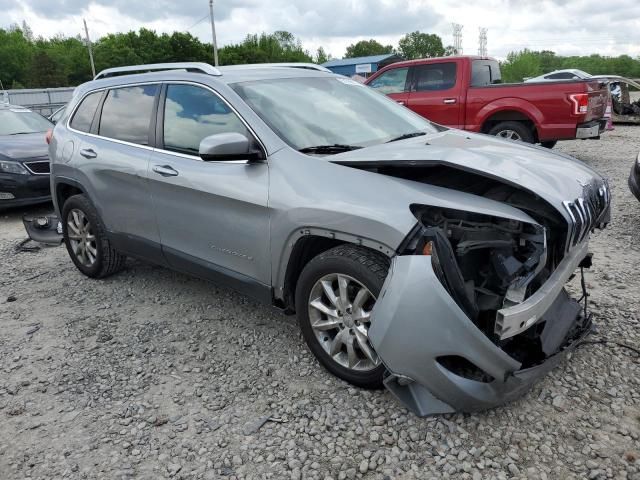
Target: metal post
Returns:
[[213, 34], [86, 31]]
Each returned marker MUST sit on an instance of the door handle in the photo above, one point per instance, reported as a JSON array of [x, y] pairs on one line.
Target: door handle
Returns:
[[449, 101], [165, 170], [88, 153]]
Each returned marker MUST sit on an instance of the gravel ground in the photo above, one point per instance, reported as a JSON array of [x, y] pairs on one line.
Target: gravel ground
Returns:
[[152, 374]]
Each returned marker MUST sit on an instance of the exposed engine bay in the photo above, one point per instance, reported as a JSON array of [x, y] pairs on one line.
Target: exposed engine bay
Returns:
[[488, 263]]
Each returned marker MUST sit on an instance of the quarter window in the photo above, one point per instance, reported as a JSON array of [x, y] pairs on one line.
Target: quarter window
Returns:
[[126, 113], [84, 114], [193, 113], [435, 76], [391, 81]]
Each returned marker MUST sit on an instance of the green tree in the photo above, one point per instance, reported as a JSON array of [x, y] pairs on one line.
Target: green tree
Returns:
[[321, 56], [364, 48], [520, 65], [265, 48], [15, 57], [420, 45]]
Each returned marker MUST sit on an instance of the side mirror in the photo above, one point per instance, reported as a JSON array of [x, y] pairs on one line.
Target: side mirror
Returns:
[[228, 146]]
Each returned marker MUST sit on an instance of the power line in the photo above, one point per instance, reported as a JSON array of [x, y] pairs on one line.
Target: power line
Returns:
[[198, 22]]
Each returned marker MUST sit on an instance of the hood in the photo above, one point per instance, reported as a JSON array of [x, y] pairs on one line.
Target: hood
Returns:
[[23, 147], [554, 177]]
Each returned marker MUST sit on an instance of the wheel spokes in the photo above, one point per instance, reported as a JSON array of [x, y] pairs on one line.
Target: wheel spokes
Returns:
[[321, 307], [343, 284]]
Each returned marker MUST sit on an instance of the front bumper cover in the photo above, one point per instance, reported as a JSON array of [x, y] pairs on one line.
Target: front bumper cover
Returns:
[[416, 322]]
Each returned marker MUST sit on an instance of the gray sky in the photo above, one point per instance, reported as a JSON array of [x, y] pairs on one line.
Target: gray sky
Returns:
[[576, 27]]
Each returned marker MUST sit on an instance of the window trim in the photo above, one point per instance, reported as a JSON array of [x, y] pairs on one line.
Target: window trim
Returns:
[[154, 119]]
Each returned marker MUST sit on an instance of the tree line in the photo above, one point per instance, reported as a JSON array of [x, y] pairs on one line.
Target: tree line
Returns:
[[30, 62], [528, 63]]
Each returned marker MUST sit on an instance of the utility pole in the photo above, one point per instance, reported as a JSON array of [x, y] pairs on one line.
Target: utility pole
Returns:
[[86, 32], [457, 38], [482, 42], [213, 34]]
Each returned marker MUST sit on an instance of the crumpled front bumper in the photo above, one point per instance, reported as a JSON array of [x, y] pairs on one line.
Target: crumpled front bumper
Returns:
[[416, 322]]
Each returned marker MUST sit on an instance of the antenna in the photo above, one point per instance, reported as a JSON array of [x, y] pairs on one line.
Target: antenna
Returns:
[[457, 38], [482, 42]]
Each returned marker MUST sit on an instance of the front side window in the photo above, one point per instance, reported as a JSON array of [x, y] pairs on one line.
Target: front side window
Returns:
[[313, 111], [126, 113], [192, 113], [84, 114], [391, 81], [435, 76]]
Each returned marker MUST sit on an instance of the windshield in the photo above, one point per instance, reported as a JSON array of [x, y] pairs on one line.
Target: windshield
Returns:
[[321, 111], [16, 122]]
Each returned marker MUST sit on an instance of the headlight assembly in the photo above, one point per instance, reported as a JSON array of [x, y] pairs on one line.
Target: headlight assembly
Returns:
[[12, 167]]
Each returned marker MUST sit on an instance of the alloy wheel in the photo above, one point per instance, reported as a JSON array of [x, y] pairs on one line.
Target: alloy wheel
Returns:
[[340, 315], [81, 237], [510, 135]]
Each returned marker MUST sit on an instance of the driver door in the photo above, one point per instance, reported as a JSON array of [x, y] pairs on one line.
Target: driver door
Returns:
[[213, 217]]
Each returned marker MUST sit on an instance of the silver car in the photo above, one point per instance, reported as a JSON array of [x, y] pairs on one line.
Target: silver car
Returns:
[[428, 260]]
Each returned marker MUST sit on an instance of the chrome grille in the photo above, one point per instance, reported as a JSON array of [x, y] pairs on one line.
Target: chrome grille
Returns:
[[586, 211], [38, 168]]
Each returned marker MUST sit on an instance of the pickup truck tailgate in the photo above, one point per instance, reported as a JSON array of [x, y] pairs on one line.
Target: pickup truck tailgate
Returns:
[[598, 95]]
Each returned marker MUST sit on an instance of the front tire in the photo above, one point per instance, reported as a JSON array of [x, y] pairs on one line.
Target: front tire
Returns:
[[335, 294], [550, 144], [516, 131], [86, 240]]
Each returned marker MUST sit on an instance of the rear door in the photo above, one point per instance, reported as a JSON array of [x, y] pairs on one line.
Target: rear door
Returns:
[[213, 216], [435, 92], [112, 161], [393, 83]]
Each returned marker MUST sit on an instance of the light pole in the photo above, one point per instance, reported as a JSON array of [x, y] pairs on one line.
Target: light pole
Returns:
[[213, 34]]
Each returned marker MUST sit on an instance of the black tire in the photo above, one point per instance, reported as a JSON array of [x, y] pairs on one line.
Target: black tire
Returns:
[[550, 144], [107, 259], [523, 131], [365, 266]]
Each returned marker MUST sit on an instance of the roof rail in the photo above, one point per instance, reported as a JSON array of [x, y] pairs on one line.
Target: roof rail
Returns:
[[131, 69]]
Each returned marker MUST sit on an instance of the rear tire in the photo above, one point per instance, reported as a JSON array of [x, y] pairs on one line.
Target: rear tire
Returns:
[[516, 131], [339, 340], [550, 144], [86, 240]]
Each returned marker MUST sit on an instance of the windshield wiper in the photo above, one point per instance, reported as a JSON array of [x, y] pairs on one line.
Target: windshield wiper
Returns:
[[22, 133], [407, 135], [329, 149]]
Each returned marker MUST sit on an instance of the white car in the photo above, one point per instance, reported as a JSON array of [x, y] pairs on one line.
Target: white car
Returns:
[[567, 74]]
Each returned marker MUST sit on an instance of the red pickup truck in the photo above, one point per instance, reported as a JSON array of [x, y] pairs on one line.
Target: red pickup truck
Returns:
[[466, 92]]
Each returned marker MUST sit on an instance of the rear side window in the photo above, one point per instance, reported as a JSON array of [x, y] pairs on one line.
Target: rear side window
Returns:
[[485, 72], [84, 114], [435, 76], [391, 81], [192, 113], [561, 76], [126, 113]]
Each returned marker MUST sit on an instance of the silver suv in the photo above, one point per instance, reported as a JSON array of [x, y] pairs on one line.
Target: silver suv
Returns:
[[430, 260]]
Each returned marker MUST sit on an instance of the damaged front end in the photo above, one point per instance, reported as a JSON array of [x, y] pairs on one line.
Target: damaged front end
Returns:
[[474, 310]]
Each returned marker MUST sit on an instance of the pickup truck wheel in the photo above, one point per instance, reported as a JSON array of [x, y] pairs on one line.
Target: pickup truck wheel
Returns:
[[335, 294], [86, 241], [550, 144], [517, 131]]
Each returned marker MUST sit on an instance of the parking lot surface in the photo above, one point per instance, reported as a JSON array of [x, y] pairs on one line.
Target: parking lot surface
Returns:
[[153, 374]]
